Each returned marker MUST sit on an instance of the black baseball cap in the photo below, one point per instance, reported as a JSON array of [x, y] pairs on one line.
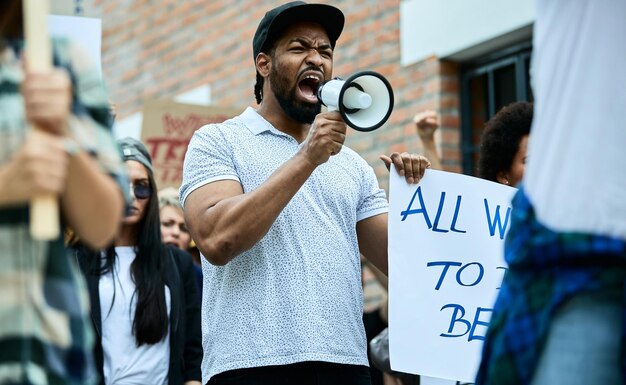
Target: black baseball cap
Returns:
[[279, 18]]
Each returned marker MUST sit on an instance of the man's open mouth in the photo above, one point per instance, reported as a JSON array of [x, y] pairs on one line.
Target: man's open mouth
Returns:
[[309, 83]]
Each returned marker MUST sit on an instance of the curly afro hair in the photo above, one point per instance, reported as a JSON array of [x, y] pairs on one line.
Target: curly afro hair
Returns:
[[500, 139]]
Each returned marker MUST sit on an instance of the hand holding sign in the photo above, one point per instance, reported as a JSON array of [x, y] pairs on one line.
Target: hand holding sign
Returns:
[[38, 168], [410, 166], [47, 99]]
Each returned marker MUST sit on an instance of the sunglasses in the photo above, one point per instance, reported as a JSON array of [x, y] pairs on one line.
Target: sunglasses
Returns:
[[141, 191]]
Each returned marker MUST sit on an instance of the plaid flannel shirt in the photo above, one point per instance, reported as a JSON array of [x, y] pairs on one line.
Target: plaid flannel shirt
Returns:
[[546, 268], [45, 331]]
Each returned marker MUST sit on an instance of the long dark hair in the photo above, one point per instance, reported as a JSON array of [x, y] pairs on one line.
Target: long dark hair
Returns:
[[11, 19], [150, 323]]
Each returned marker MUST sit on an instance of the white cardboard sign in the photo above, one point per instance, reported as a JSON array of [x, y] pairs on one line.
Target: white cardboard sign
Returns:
[[85, 32], [446, 248]]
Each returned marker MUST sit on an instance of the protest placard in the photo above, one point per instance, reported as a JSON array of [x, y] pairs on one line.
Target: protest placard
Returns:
[[166, 130], [84, 32], [446, 242]]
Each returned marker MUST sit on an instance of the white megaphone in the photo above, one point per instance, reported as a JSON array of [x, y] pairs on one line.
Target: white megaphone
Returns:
[[365, 99]]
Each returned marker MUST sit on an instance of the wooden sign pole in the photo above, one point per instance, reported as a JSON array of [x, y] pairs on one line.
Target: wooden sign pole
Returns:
[[44, 210]]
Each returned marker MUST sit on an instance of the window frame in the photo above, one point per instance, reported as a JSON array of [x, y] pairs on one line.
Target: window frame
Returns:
[[517, 55]]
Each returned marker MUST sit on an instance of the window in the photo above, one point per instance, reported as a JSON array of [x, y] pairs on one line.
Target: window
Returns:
[[487, 85]]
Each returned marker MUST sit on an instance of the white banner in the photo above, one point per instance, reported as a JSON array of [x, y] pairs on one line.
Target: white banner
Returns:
[[85, 32], [446, 243]]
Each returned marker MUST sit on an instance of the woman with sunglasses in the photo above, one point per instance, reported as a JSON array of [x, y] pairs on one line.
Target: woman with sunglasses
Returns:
[[144, 299]]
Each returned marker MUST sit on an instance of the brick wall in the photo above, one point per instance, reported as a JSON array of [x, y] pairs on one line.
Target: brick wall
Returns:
[[161, 48]]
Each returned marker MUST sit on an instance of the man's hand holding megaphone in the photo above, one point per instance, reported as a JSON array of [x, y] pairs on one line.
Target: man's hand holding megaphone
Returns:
[[326, 137], [328, 133], [363, 101]]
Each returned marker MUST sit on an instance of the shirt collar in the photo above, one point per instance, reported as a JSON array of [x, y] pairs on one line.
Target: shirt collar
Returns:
[[256, 124]]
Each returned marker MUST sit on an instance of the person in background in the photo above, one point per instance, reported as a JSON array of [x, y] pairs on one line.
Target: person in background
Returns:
[[280, 210], [45, 334], [145, 305], [426, 123], [174, 230], [374, 304], [504, 144], [559, 315]]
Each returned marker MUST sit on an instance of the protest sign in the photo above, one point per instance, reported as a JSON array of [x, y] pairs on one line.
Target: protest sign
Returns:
[[75, 8], [84, 32], [446, 242], [166, 130]]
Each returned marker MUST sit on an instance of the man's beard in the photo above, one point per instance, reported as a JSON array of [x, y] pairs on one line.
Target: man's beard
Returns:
[[299, 111]]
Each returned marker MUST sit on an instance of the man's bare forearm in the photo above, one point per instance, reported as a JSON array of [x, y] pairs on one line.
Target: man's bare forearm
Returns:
[[237, 223]]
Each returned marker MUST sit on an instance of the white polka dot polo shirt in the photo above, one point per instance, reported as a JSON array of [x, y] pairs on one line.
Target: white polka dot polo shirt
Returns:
[[296, 295]]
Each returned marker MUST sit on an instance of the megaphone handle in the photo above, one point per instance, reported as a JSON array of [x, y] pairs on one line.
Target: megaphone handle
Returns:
[[331, 108]]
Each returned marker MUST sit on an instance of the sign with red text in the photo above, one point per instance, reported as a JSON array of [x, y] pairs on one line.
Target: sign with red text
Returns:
[[166, 131], [446, 264]]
